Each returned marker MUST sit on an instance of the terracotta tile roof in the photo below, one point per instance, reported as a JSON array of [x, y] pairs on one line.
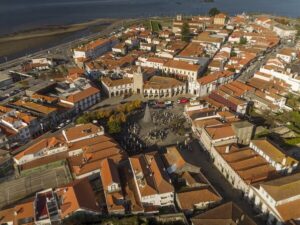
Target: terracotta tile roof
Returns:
[[90, 159], [228, 213], [44, 144], [156, 60], [206, 38], [221, 16], [207, 79], [182, 65], [214, 104], [215, 64], [207, 123], [75, 196], [7, 130], [214, 76], [115, 83], [172, 157], [189, 199], [112, 204], [36, 107], [77, 97], [241, 85], [228, 116], [219, 132], [154, 179], [287, 51], [283, 188], [81, 165], [274, 152], [195, 114], [288, 211], [95, 143], [158, 82], [232, 90], [109, 173], [82, 131], [235, 100], [92, 45], [250, 166], [140, 168], [161, 177], [194, 178], [192, 50], [17, 214]]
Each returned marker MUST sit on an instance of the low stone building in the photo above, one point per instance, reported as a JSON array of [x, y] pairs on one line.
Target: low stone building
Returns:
[[158, 87], [117, 87]]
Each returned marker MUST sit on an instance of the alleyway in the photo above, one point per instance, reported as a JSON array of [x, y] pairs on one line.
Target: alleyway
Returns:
[[198, 157]]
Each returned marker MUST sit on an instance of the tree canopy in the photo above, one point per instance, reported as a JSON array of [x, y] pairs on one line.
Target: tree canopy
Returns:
[[213, 11], [185, 32], [243, 41]]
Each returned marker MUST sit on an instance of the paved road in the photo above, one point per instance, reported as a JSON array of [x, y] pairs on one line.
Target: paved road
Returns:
[[65, 47], [198, 157], [251, 70]]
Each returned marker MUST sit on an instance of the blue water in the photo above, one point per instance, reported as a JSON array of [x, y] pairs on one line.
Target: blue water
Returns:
[[16, 15]]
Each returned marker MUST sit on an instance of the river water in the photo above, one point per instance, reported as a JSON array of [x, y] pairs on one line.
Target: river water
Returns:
[[17, 15]]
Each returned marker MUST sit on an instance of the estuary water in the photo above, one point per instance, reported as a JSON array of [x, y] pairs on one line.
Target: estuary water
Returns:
[[17, 15]]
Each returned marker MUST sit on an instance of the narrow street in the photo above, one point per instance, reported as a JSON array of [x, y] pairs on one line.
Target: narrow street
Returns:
[[247, 74], [198, 157]]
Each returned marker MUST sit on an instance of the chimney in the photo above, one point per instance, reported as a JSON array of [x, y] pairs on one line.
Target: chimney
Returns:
[[284, 160], [227, 149]]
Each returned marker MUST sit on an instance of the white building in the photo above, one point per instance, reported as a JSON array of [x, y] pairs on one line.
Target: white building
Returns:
[[152, 180], [287, 55], [79, 94], [284, 31], [58, 144], [275, 156], [158, 87], [117, 87], [182, 69], [94, 49], [286, 76], [152, 62], [206, 84], [279, 199], [112, 187]]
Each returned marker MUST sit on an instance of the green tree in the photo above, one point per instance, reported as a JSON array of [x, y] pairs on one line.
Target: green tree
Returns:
[[81, 120], [137, 104], [121, 117], [232, 70], [233, 54], [185, 32], [243, 41], [213, 11], [114, 126]]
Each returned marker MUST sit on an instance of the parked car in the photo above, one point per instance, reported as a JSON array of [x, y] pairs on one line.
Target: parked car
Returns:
[[151, 103], [183, 100], [168, 103], [159, 105]]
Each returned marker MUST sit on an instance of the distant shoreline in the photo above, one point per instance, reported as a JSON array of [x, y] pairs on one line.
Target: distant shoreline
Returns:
[[25, 42], [52, 30], [18, 44]]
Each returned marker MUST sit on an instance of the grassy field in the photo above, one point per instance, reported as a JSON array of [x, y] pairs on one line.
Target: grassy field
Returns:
[[155, 26]]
